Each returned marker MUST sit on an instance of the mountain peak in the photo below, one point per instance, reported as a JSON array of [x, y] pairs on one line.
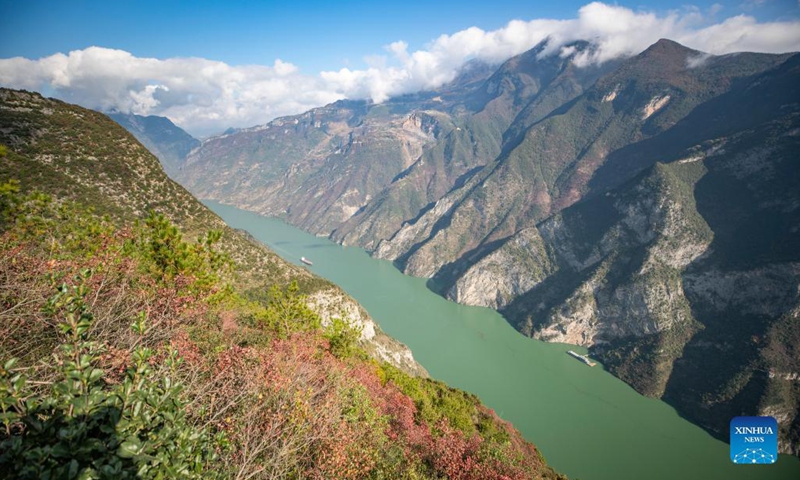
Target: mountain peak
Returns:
[[664, 62], [666, 47]]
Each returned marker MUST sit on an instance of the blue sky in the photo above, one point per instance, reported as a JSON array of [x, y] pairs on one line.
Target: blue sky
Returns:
[[315, 35], [211, 65]]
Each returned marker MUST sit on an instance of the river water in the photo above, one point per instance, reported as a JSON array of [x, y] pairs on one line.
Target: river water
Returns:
[[587, 423]]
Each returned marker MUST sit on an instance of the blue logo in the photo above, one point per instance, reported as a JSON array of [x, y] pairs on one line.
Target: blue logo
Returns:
[[754, 440]]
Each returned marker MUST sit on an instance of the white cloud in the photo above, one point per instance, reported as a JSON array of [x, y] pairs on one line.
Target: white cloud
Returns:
[[698, 60], [616, 31], [207, 96], [201, 95]]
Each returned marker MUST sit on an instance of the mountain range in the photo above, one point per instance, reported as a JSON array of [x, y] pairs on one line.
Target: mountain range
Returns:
[[645, 208]]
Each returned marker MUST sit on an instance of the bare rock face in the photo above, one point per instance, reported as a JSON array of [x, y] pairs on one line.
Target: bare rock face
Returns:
[[333, 303], [599, 307], [764, 291], [408, 236], [317, 169], [494, 281]]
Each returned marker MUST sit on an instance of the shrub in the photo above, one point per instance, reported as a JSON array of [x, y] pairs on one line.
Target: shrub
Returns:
[[277, 395], [342, 337], [84, 426], [288, 312], [159, 243]]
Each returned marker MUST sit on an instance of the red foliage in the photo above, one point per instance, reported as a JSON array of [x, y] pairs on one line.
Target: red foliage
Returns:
[[445, 449], [292, 405], [400, 409], [114, 361], [187, 349], [455, 456]]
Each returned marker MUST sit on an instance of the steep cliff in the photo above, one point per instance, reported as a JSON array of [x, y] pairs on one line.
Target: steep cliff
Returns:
[[550, 166], [684, 280]]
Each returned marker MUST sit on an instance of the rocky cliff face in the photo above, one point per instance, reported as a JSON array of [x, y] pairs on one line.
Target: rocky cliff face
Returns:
[[525, 88], [333, 303], [320, 169], [550, 165], [618, 258], [323, 166], [683, 281]]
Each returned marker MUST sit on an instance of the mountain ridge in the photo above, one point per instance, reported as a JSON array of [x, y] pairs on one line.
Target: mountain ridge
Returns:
[[168, 142], [120, 178]]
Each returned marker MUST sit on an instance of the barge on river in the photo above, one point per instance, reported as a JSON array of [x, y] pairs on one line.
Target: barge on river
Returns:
[[582, 358]]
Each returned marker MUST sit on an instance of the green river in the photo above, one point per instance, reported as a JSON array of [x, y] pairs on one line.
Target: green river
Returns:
[[587, 423]]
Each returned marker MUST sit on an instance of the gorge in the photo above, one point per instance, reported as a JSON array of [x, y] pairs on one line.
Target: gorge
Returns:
[[616, 206], [572, 412]]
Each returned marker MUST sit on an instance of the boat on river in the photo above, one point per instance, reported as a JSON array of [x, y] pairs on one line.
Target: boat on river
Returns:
[[582, 358], [306, 261]]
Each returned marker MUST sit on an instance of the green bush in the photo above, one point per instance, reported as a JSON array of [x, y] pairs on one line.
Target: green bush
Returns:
[[83, 426], [435, 400], [342, 337], [160, 244], [287, 312]]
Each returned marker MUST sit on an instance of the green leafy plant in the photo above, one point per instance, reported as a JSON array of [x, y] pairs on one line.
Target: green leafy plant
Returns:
[[287, 312], [160, 243], [342, 337], [83, 426]]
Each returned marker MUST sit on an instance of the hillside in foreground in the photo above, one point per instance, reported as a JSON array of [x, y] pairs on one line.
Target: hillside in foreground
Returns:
[[143, 339]]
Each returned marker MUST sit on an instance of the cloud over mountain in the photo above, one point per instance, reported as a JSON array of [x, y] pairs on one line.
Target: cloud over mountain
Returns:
[[206, 96], [202, 95]]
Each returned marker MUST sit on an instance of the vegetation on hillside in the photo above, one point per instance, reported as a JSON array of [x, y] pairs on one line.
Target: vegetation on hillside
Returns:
[[646, 208], [128, 352], [77, 154]]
